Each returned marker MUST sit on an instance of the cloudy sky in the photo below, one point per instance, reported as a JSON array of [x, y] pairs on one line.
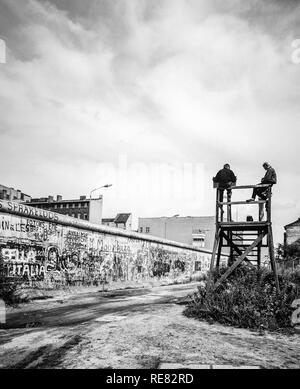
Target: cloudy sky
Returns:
[[172, 83]]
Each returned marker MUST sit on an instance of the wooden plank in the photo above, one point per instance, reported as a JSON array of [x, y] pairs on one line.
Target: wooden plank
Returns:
[[233, 245], [272, 256], [244, 224], [259, 256], [220, 249], [263, 245], [239, 260], [250, 186], [212, 263], [217, 207], [243, 202]]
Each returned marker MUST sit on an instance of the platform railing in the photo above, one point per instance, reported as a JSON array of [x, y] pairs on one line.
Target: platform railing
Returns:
[[261, 203]]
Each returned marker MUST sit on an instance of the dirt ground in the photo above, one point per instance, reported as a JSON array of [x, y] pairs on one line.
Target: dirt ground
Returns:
[[133, 328]]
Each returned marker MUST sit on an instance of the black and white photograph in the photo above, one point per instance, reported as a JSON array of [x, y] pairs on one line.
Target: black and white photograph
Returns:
[[149, 187]]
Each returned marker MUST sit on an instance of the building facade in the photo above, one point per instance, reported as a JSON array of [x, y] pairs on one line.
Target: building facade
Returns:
[[11, 194], [82, 208], [122, 220], [292, 232], [197, 231]]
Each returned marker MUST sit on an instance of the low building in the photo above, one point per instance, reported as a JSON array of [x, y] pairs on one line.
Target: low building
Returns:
[[82, 208], [292, 232], [122, 220], [11, 194], [198, 231]]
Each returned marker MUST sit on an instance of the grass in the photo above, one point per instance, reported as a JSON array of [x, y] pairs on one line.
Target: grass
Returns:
[[247, 299]]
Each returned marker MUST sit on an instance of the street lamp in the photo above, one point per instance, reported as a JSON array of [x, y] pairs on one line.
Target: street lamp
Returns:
[[104, 186]]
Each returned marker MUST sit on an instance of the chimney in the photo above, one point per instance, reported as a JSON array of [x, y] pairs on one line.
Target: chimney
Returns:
[[82, 197], [59, 198], [50, 199]]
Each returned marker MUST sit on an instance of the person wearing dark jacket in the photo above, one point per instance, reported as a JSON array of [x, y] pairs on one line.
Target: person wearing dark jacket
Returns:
[[225, 178], [270, 179]]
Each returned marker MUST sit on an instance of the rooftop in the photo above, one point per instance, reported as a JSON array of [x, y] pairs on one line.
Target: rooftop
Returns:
[[293, 223], [122, 218]]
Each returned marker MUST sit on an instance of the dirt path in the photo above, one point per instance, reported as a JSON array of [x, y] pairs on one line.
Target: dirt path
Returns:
[[141, 328]]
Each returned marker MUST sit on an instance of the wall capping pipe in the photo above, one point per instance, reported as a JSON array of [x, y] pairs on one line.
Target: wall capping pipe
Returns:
[[24, 210]]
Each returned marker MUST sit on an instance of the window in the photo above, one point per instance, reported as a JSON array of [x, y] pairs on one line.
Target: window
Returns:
[[67, 205], [141, 230], [147, 230], [85, 216]]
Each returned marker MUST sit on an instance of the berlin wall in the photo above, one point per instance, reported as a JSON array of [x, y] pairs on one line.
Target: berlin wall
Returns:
[[46, 250]]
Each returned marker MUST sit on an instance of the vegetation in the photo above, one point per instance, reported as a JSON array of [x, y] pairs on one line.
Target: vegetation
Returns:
[[247, 299], [291, 251]]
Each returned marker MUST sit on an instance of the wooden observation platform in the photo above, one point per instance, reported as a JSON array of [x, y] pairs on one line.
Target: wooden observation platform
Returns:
[[245, 239]]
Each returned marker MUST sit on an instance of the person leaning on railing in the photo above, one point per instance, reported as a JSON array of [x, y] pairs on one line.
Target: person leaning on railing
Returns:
[[270, 179]]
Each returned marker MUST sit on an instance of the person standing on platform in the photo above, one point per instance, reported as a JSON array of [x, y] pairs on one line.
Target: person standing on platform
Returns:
[[225, 179]]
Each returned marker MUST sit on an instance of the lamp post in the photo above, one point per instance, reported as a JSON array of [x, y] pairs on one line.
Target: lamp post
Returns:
[[166, 224], [104, 186]]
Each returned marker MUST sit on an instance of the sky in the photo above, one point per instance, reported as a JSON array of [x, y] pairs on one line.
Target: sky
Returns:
[[152, 97]]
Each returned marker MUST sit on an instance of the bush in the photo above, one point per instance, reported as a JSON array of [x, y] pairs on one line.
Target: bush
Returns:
[[247, 299], [289, 251]]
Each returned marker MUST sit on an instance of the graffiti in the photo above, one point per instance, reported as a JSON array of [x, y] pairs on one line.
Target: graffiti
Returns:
[[23, 261], [2, 312], [58, 255], [16, 252], [26, 270], [180, 265], [161, 262], [30, 211], [76, 240], [116, 247], [198, 266], [32, 229], [296, 314]]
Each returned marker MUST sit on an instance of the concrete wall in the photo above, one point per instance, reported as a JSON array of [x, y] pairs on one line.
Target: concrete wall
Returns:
[[42, 249]]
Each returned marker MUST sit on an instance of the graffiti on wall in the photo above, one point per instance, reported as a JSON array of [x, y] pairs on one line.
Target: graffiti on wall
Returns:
[[55, 255]]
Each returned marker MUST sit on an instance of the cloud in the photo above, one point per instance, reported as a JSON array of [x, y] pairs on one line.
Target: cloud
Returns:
[[169, 81]]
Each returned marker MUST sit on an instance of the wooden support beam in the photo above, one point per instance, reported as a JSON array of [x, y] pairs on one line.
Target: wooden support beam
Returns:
[[272, 257], [220, 249], [250, 186], [245, 225], [242, 202], [239, 260], [258, 256], [212, 263], [234, 246]]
